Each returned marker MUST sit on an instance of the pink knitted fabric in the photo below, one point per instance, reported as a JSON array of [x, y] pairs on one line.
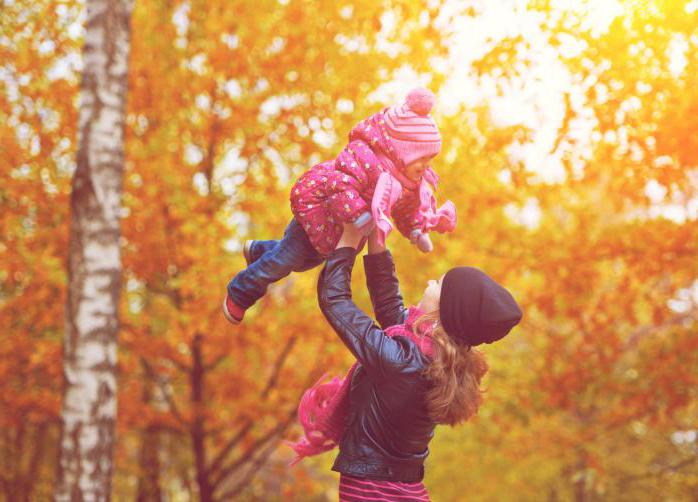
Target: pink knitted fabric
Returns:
[[335, 192], [324, 407], [413, 131], [427, 217]]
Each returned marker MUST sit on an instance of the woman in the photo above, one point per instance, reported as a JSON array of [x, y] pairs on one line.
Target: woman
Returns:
[[415, 371]]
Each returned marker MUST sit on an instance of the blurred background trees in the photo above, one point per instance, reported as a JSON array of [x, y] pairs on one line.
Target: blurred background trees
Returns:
[[568, 150]]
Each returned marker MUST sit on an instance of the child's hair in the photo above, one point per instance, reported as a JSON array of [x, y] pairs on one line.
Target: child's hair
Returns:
[[455, 373]]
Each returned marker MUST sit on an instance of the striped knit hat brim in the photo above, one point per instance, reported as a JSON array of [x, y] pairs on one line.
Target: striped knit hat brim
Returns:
[[406, 125], [413, 131]]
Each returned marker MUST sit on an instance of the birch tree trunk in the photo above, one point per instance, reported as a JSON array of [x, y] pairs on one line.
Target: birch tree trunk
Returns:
[[85, 461]]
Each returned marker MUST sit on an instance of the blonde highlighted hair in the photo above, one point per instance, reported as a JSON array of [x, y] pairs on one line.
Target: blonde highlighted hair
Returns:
[[455, 373]]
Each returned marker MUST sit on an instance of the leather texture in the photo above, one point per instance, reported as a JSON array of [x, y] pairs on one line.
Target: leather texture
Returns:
[[389, 428]]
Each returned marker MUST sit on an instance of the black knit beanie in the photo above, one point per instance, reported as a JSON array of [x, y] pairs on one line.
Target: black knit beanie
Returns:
[[474, 309]]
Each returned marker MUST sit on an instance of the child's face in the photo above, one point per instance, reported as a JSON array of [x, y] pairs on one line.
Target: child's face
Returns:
[[432, 295], [415, 170]]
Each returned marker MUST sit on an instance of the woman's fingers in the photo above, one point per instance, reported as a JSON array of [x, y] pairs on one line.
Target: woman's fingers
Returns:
[[375, 244], [351, 237]]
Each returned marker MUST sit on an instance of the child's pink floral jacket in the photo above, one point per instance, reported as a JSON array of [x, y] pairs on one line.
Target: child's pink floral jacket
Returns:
[[366, 176]]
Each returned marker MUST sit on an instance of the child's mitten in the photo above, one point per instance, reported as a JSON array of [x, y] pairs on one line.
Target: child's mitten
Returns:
[[364, 223], [421, 240]]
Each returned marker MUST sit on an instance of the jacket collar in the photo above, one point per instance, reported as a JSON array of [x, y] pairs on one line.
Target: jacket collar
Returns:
[[424, 342]]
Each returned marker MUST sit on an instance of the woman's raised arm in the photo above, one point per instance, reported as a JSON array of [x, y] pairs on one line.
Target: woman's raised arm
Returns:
[[382, 284], [376, 351]]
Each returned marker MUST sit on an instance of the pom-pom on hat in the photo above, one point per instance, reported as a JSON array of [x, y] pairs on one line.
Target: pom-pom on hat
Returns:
[[412, 130]]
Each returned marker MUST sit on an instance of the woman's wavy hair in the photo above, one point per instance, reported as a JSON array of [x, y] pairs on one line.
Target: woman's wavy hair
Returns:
[[455, 373]]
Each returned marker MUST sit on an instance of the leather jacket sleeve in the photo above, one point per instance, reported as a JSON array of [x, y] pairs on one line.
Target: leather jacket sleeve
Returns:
[[377, 352], [383, 287]]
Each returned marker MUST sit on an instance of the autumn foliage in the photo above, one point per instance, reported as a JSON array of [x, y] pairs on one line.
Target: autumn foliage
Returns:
[[570, 153]]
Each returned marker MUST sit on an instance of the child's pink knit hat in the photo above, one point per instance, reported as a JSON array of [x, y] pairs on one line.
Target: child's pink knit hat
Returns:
[[411, 128]]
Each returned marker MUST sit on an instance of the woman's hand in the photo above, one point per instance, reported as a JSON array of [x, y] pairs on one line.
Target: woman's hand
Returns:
[[351, 237], [374, 244]]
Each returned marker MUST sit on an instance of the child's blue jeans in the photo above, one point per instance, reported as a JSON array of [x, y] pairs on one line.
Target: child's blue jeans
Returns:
[[273, 260]]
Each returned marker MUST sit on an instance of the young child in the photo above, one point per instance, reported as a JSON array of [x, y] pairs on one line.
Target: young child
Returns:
[[382, 173]]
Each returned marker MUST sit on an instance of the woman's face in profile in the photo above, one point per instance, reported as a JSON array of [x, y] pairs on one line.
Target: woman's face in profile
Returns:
[[432, 294]]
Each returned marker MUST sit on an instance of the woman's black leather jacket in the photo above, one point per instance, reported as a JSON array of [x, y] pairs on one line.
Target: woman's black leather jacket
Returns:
[[389, 428]]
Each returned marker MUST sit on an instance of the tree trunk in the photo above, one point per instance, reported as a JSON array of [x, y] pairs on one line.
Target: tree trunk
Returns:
[[35, 459], [580, 480], [149, 455], [197, 431], [149, 473], [94, 265]]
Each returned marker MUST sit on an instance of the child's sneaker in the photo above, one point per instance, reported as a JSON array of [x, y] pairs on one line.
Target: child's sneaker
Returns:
[[247, 252], [232, 311]]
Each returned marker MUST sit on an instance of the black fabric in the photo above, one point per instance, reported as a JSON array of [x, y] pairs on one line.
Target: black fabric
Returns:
[[389, 428], [384, 289], [474, 309]]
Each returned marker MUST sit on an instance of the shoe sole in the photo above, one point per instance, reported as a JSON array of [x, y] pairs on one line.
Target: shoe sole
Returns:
[[227, 315]]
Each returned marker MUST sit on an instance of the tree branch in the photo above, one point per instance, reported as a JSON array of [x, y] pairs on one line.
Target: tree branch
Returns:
[[645, 331], [273, 378], [250, 453], [220, 457], [271, 383], [662, 470], [254, 468], [217, 465], [168, 398], [216, 361]]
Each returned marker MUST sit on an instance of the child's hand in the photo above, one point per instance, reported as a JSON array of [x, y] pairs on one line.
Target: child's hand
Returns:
[[422, 241], [351, 237]]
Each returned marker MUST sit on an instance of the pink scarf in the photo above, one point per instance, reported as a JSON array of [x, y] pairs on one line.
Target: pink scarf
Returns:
[[388, 189], [324, 407]]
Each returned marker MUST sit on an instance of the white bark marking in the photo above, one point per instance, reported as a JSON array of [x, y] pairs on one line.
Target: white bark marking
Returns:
[[90, 348]]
